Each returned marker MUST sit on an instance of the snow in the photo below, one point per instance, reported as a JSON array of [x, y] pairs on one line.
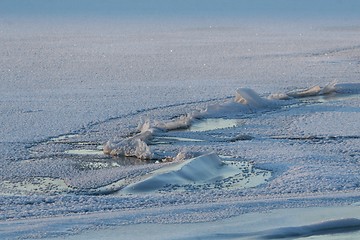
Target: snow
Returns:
[[299, 223], [246, 101], [271, 92], [204, 171]]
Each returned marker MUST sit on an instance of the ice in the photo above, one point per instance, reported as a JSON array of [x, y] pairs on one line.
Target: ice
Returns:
[[347, 88], [84, 152], [313, 91], [204, 170], [309, 92], [245, 101], [325, 223], [272, 88], [323, 228], [216, 116], [208, 124], [182, 122], [37, 185], [251, 99], [134, 147]]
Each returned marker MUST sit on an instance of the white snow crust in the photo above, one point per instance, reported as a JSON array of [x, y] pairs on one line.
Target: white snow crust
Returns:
[[103, 96]]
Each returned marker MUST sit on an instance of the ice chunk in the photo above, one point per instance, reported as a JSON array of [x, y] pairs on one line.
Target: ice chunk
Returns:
[[183, 122], [279, 96], [329, 88], [313, 91], [249, 97], [246, 100], [134, 147]]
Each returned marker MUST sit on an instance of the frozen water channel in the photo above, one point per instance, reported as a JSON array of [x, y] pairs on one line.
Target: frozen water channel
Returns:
[[201, 126]]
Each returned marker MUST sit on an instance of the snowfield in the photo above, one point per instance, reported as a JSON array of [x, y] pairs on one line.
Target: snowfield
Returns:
[[197, 124]]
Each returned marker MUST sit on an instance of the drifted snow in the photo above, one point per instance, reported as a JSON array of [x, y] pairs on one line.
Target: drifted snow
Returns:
[[204, 171]]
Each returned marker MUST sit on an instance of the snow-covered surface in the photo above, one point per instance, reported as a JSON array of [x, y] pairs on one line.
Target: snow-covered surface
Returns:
[[93, 99], [206, 171], [295, 223]]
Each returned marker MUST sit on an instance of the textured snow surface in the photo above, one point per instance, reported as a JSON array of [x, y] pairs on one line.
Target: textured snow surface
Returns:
[[293, 223], [206, 171], [92, 103]]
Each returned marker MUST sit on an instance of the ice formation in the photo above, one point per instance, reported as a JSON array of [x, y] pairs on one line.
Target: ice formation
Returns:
[[246, 100], [202, 168], [316, 90], [250, 98], [135, 146], [205, 170], [90, 76], [183, 122]]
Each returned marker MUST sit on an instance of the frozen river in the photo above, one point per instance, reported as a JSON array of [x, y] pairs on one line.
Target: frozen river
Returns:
[[178, 118]]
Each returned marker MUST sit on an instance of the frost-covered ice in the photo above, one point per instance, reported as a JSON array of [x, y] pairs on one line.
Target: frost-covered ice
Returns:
[[95, 103], [206, 171], [245, 102], [310, 223]]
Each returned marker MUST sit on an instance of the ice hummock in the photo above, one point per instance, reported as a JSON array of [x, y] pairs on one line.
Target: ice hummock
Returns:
[[246, 101], [135, 146], [252, 99], [316, 90]]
